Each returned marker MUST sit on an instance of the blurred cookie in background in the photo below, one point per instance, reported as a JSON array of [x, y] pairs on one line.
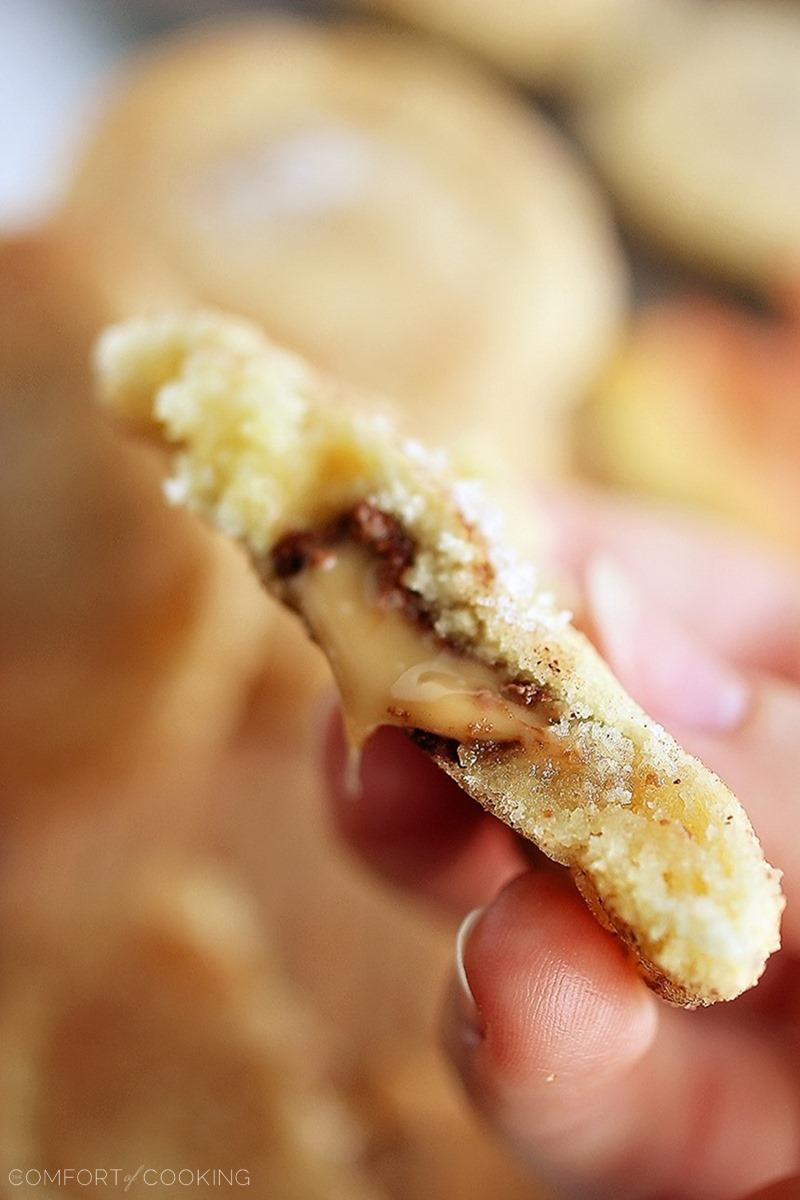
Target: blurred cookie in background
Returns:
[[560, 48], [701, 407], [140, 1007], [703, 154], [376, 204], [124, 640], [151, 700], [147, 1030]]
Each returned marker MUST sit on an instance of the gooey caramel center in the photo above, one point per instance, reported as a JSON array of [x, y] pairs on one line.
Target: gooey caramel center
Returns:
[[391, 670]]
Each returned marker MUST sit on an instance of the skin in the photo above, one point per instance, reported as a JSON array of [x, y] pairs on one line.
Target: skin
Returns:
[[608, 1092]]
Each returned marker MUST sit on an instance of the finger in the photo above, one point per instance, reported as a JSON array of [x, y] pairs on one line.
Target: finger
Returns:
[[786, 1189], [413, 825], [569, 1056], [741, 598], [743, 725]]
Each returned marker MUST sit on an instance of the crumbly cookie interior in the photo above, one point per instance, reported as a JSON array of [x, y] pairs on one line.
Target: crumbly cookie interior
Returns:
[[364, 534]]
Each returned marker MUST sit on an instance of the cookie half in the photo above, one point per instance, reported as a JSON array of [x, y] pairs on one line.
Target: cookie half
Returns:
[[431, 625]]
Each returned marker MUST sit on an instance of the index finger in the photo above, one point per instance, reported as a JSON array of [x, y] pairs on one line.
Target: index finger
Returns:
[[740, 597]]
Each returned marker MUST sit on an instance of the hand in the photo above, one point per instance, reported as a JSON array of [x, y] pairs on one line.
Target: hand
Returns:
[[607, 1091]]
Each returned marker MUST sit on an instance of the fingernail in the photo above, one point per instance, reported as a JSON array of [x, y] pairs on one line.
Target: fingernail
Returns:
[[671, 674], [468, 1011]]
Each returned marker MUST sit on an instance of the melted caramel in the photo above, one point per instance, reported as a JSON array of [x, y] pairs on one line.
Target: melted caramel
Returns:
[[391, 671]]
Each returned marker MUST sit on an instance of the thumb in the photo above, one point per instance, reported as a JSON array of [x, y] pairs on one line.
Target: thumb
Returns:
[[787, 1189]]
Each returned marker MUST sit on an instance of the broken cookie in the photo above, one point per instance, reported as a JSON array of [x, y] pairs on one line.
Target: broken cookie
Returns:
[[431, 625]]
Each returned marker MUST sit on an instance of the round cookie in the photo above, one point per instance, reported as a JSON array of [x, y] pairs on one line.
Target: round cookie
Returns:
[[556, 46], [702, 153], [701, 407], [377, 205], [146, 1024], [143, 709]]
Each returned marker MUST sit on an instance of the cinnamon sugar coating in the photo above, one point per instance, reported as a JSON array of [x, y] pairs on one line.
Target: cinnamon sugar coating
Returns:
[[659, 847]]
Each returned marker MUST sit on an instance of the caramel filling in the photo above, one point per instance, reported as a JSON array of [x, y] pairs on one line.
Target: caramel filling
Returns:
[[391, 670]]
